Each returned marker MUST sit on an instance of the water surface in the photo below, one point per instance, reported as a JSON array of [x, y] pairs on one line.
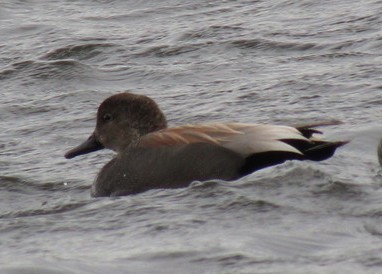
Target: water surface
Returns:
[[283, 62]]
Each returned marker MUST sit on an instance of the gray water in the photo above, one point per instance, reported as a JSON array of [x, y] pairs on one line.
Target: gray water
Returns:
[[283, 62]]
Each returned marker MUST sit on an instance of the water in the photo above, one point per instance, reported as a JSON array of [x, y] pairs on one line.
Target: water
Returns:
[[285, 62]]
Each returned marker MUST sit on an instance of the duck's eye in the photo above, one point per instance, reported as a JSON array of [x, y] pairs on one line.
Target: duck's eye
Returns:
[[107, 117]]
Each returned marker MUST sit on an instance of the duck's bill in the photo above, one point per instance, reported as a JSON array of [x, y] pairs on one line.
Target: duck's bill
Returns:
[[90, 145]]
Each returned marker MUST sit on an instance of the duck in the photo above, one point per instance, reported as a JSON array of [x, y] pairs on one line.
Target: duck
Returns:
[[151, 155]]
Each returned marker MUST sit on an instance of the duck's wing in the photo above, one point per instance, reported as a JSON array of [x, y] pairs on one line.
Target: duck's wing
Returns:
[[259, 145], [245, 139]]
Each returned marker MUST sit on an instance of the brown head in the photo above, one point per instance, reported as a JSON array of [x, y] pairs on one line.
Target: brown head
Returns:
[[122, 120]]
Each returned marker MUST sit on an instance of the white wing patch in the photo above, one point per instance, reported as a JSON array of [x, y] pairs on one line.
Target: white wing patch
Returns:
[[262, 138]]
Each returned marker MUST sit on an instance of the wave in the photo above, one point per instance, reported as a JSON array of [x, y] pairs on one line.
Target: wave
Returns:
[[78, 52], [44, 70]]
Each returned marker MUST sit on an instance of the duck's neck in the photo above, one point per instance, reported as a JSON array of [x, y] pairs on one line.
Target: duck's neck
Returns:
[[134, 143]]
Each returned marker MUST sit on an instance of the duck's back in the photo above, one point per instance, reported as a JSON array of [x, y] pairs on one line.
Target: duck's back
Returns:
[[145, 168]]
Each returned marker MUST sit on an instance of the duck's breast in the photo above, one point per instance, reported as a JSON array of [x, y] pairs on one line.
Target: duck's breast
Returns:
[[176, 166]]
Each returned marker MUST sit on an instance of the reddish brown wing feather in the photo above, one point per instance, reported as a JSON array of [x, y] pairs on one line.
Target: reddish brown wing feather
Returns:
[[245, 139], [207, 133]]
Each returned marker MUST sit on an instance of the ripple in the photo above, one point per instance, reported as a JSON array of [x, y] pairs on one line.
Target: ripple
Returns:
[[45, 211], [46, 70], [243, 202], [214, 31], [36, 269], [78, 52], [227, 260], [342, 190], [168, 50], [270, 45], [23, 186], [379, 150]]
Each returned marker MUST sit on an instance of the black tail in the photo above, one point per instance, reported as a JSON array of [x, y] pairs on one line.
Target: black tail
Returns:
[[314, 150], [321, 150]]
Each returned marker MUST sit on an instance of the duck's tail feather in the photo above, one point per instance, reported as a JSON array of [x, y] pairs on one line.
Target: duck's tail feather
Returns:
[[322, 150], [313, 151], [307, 130]]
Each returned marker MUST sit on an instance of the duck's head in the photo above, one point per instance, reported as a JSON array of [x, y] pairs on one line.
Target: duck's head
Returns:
[[121, 120]]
